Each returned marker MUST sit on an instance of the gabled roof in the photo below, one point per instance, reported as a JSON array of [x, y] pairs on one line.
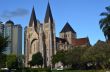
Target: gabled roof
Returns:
[[80, 41], [33, 18], [48, 14], [67, 28]]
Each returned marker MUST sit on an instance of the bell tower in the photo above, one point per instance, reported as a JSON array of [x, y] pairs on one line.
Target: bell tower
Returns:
[[68, 33]]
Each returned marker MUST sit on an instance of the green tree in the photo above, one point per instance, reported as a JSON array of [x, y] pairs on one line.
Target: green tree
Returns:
[[20, 61], [59, 57], [11, 61], [105, 23], [98, 56], [2, 60], [74, 57], [37, 59], [3, 44], [31, 63]]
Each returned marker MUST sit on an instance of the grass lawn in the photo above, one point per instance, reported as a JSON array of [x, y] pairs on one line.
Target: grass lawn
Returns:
[[81, 71], [64, 71]]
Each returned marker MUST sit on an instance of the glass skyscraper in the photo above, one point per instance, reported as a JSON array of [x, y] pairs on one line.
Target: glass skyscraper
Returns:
[[14, 34]]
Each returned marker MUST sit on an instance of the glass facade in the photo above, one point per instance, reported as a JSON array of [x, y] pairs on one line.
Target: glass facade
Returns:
[[8, 33], [14, 34], [2, 29]]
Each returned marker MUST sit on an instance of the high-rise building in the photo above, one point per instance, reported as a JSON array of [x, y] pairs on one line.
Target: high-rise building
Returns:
[[1, 28], [14, 34], [17, 40], [8, 32]]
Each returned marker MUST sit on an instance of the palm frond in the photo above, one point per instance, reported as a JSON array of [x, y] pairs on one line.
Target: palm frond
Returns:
[[1, 22], [108, 9], [104, 14], [103, 22], [105, 29]]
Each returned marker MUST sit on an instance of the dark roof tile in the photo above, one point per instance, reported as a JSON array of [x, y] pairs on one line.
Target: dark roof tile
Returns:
[[67, 28]]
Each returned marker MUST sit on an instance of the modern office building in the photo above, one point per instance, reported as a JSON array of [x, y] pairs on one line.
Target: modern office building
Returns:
[[14, 34], [1, 28], [17, 40], [8, 32]]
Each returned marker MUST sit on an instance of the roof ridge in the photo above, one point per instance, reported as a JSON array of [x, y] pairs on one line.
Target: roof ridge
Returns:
[[67, 28]]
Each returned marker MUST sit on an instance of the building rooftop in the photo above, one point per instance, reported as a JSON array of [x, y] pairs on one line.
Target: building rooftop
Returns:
[[67, 28], [80, 41], [10, 22]]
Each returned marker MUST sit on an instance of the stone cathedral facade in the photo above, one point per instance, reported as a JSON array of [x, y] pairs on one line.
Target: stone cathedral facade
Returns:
[[40, 37]]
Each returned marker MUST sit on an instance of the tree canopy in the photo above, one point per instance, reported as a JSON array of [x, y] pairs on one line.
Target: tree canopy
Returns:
[[3, 44], [94, 57], [37, 59], [105, 23]]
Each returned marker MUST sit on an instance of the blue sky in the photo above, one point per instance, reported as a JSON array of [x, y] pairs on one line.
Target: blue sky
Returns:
[[83, 15]]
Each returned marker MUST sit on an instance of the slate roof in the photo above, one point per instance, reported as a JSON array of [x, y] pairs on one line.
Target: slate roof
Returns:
[[67, 28], [33, 18], [48, 14]]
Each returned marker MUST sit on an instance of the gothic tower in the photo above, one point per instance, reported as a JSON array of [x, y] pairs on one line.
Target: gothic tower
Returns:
[[31, 38], [49, 33]]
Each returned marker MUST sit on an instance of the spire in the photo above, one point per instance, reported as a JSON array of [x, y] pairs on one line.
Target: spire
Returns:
[[48, 14], [67, 28], [33, 18]]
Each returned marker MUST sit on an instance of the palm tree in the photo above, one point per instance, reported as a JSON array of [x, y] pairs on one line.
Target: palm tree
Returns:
[[105, 23]]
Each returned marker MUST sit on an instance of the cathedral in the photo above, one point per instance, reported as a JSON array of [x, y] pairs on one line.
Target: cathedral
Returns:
[[40, 37]]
